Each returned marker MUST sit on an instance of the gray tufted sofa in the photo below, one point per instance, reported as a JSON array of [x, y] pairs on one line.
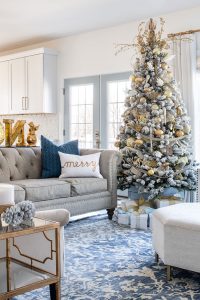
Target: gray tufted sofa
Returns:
[[22, 168]]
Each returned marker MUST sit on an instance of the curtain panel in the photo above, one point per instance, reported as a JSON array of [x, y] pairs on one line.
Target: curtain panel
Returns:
[[184, 65]]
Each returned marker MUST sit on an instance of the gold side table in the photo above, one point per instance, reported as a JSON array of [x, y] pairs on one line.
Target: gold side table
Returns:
[[21, 271]]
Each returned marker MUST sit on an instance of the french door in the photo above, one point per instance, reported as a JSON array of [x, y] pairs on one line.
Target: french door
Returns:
[[93, 106], [82, 105]]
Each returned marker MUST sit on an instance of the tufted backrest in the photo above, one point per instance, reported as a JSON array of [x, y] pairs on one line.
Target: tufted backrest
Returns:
[[20, 163]]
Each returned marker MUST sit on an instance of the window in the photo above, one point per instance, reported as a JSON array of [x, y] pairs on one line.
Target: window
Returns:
[[114, 88], [82, 97], [95, 105]]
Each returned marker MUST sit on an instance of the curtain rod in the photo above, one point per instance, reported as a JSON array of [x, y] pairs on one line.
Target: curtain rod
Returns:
[[171, 35]]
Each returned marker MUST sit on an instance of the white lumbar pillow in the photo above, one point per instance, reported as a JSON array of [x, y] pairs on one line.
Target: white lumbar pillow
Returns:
[[80, 165]]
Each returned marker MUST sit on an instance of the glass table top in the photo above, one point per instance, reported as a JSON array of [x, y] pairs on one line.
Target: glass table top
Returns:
[[33, 224]]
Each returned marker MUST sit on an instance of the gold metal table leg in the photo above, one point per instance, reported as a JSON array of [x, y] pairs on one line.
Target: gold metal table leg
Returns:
[[8, 264], [168, 273]]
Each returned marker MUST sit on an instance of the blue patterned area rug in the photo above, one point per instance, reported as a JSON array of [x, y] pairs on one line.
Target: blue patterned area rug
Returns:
[[112, 262]]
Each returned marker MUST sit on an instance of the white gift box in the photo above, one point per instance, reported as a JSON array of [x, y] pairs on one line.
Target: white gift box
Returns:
[[150, 221], [139, 221], [166, 202], [124, 219]]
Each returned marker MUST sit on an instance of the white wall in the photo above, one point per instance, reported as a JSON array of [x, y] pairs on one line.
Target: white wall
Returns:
[[93, 53]]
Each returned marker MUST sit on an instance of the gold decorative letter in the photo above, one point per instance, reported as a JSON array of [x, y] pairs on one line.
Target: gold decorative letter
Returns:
[[11, 133]]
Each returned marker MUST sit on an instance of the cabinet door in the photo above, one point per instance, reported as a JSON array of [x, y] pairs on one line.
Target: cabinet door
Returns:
[[34, 84], [4, 88], [17, 86]]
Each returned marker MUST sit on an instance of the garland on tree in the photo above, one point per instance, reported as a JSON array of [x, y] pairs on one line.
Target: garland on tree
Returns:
[[154, 139]]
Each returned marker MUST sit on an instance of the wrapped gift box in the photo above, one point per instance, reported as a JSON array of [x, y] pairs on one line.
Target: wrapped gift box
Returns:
[[124, 219], [166, 202], [134, 195], [150, 221], [121, 217], [139, 221]]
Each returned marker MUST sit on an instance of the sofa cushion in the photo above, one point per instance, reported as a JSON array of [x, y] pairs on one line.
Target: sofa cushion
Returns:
[[50, 159], [85, 186], [44, 189], [19, 193]]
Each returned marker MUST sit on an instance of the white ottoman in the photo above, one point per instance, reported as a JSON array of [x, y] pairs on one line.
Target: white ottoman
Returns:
[[176, 236]]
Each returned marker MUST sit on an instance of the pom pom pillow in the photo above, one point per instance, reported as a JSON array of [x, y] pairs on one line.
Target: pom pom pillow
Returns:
[[80, 166], [50, 158]]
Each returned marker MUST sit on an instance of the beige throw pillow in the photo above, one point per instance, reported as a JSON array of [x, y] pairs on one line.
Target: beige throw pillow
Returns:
[[80, 165]]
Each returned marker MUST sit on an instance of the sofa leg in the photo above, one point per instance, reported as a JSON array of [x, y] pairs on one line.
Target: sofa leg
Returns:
[[168, 273], [156, 257], [110, 213]]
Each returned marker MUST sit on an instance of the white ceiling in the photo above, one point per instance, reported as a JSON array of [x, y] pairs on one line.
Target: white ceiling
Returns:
[[23, 22]]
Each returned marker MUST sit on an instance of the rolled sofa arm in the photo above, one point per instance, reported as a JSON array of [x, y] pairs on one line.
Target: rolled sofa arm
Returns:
[[109, 161]]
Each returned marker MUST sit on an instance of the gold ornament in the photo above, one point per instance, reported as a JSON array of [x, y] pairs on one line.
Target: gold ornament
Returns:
[[168, 94], [170, 74], [156, 51], [130, 142], [137, 127], [157, 119], [141, 118], [139, 79], [150, 172], [179, 176], [158, 132], [179, 133], [179, 111], [122, 129], [155, 107], [165, 165], [32, 138], [138, 142], [164, 66], [117, 144], [1, 133], [143, 100], [152, 163], [132, 78], [147, 90]]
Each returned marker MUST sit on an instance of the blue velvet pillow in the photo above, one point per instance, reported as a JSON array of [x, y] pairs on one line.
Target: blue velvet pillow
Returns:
[[51, 166]]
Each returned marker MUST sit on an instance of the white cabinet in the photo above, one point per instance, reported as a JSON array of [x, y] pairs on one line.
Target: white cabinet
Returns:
[[31, 82], [17, 86], [4, 87]]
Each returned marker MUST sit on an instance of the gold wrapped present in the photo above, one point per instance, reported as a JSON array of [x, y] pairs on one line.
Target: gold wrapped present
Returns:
[[163, 201]]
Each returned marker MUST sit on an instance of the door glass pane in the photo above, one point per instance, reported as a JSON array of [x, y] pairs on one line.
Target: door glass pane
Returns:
[[74, 113], [81, 117], [89, 114], [81, 114], [74, 95], [116, 93]]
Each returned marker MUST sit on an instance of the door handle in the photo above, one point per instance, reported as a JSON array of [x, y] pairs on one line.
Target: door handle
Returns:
[[26, 103], [97, 139], [23, 104]]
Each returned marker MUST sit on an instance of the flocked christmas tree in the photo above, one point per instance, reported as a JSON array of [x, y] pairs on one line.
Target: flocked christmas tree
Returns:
[[154, 139]]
